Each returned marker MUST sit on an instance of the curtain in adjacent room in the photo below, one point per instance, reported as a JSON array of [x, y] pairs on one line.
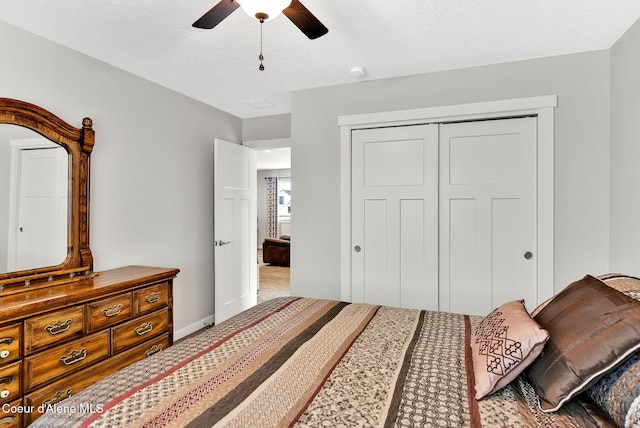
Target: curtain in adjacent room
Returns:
[[272, 207]]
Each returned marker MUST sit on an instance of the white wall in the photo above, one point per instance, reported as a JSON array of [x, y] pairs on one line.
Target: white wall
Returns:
[[7, 133], [625, 153], [266, 127], [581, 193], [152, 173]]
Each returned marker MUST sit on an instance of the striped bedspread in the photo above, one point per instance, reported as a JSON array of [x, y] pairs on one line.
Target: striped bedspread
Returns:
[[312, 363]]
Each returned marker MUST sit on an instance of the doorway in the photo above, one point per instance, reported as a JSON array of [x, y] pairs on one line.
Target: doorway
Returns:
[[274, 214]]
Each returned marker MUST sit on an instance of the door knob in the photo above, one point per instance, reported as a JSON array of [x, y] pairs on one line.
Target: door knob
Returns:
[[528, 255], [220, 243], [357, 248]]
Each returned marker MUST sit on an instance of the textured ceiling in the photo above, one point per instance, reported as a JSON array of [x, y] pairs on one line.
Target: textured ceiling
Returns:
[[154, 39]]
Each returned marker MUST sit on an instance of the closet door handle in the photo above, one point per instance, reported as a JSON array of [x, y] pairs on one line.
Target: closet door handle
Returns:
[[528, 255]]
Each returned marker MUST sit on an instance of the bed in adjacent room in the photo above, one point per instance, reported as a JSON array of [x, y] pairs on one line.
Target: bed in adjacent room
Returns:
[[319, 363]]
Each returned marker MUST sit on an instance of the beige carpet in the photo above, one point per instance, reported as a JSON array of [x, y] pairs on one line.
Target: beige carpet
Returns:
[[273, 281]]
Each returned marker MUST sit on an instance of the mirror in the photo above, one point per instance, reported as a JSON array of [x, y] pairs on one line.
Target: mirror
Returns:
[[44, 227], [34, 187]]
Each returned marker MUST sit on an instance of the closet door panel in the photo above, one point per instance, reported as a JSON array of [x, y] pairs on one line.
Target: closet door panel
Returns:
[[377, 275], [394, 216], [488, 214]]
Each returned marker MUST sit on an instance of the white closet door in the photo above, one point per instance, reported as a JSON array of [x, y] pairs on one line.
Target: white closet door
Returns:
[[394, 223], [488, 235]]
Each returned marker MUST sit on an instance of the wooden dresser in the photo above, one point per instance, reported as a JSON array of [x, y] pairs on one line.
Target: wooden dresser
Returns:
[[58, 340]]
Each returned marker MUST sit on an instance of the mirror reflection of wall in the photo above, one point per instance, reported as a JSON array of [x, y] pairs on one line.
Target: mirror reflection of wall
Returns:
[[7, 133]]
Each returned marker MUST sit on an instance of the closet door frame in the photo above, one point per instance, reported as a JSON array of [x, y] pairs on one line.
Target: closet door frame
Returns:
[[542, 107]]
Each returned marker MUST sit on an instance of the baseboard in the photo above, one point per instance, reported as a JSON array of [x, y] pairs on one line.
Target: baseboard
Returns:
[[179, 334]]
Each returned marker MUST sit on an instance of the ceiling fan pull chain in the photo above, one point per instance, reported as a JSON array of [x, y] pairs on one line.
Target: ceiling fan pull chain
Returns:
[[260, 57]]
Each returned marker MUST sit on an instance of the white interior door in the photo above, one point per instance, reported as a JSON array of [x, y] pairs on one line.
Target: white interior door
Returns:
[[395, 216], [235, 225], [488, 214]]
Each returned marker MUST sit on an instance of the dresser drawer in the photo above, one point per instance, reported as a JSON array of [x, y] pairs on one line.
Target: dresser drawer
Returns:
[[57, 391], [61, 360], [139, 330], [10, 343], [47, 398], [10, 382], [53, 327], [150, 298], [11, 415], [150, 348], [107, 312]]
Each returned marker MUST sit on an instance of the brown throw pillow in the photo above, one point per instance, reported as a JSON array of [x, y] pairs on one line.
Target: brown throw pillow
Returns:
[[503, 345], [592, 329]]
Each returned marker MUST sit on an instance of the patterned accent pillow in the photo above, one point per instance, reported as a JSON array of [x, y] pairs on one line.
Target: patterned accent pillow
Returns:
[[593, 328], [618, 393], [504, 344]]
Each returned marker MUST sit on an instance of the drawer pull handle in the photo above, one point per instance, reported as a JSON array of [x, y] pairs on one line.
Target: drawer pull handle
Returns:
[[4, 393], [6, 380], [153, 350], [7, 420], [144, 328], [57, 397], [6, 341], [153, 297], [4, 353], [74, 357], [112, 311], [58, 327]]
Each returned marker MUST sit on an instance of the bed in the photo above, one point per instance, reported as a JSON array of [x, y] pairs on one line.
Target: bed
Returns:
[[320, 363]]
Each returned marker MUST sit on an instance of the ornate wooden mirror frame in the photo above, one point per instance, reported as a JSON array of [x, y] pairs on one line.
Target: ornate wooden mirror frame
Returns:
[[78, 143]]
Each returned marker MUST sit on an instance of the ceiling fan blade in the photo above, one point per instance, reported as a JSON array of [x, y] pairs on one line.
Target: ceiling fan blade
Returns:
[[305, 20], [216, 14]]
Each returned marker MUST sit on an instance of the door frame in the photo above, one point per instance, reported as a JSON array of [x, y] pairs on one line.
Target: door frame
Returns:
[[542, 107]]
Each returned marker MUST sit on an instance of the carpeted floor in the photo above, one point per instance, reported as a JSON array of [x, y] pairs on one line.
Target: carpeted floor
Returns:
[[273, 281]]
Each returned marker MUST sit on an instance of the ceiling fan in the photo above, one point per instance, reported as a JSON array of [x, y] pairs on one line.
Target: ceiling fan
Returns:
[[263, 10]]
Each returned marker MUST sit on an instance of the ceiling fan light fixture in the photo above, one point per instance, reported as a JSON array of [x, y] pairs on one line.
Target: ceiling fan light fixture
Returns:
[[263, 10]]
